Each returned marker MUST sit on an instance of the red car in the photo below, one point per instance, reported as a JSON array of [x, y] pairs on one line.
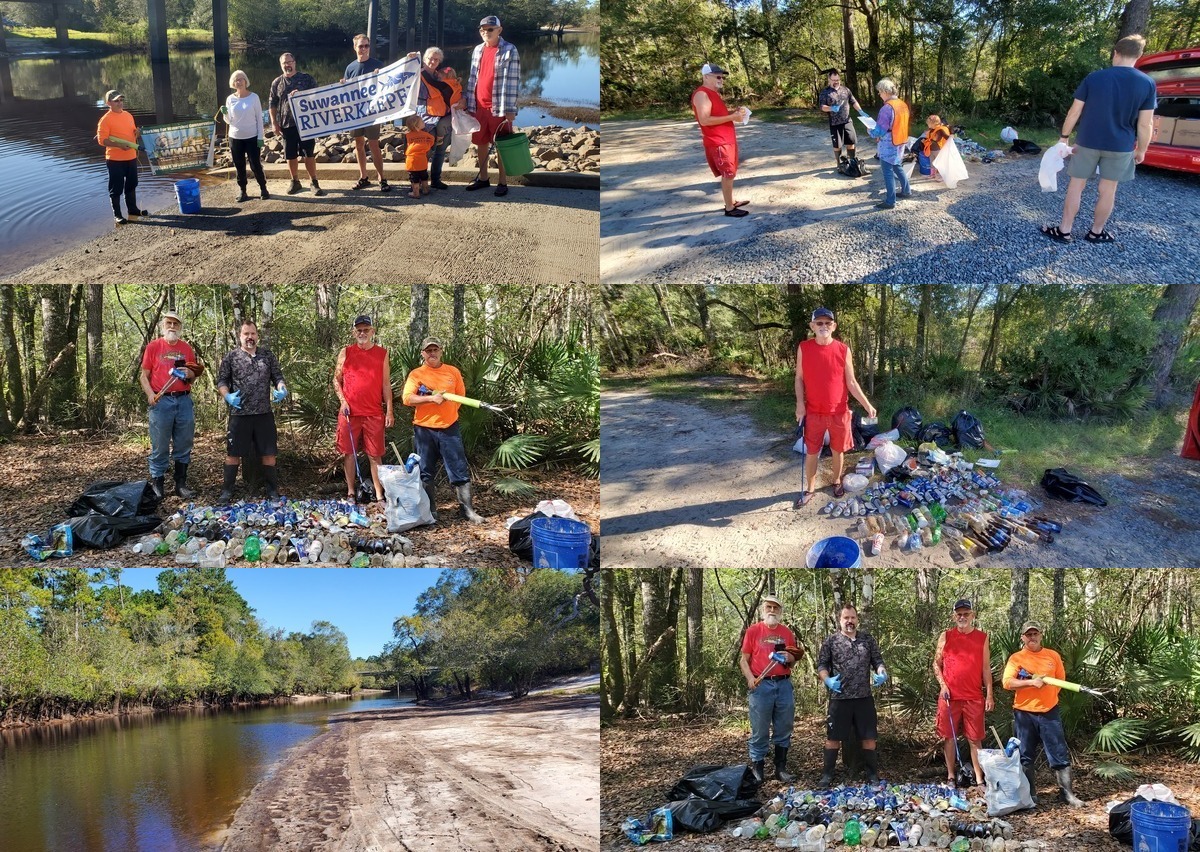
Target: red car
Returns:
[[1176, 142]]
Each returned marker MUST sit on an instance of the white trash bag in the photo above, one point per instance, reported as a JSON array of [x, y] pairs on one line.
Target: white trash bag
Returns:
[[883, 438], [949, 164], [1007, 786], [1009, 135], [464, 124], [407, 502], [1052, 164], [888, 455]]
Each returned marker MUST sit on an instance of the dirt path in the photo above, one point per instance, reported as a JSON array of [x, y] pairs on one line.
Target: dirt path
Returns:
[[547, 234], [684, 485], [499, 776]]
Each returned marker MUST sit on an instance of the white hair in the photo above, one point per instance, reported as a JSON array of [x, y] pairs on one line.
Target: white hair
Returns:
[[233, 77], [886, 87], [431, 52]]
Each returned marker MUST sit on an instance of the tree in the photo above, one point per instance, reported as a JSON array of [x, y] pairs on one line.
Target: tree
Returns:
[[95, 355], [1172, 316], [1135, 18], [418, 323]]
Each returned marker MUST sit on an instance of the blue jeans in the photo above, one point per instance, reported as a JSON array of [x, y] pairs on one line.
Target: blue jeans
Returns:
[[437, 154], [445, 444], [172, 422], [891, 173], [1045, 729], [772, 707]]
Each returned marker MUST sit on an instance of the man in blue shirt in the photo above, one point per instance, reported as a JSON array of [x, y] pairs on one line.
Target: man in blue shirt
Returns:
[[1114, 108], [369, 135]]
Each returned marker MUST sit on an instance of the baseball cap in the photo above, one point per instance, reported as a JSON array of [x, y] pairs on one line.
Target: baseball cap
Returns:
[[490, 21], [1030, 625], [772, 599], [822, 312], [431, 341], [112, 95], [363, 319], [172, 315], [712, 68], [963, 603]]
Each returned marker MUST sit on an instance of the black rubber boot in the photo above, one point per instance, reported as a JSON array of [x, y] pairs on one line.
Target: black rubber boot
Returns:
[[271, 474], [781, 771], [227, 486], [1064, 784], [827, 771], [431, 493], [1031, 777], [759, 769], [157, 484], [463, 492], [181, 486], [871, 758]]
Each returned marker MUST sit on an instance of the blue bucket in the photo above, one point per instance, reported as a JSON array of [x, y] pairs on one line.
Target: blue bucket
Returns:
[[560, 543], [187, 193], [1160, 827], [834, 552]]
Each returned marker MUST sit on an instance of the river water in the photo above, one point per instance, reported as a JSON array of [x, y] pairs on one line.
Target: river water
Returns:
[[163, 783], [53, 191]]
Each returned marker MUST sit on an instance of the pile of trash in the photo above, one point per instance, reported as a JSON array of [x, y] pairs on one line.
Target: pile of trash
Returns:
[[974, 152]]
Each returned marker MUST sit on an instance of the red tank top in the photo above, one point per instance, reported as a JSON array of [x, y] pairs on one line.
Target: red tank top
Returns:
[[362, 380], [962, 664], [824, 374], [717, 134]]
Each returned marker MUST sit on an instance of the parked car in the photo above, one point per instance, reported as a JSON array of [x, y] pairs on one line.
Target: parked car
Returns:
[[1176, 142]]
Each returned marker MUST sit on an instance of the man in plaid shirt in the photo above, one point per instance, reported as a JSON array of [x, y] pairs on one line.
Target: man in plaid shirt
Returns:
[[491, 96]]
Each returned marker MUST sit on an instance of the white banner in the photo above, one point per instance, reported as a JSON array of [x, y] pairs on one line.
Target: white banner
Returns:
[[371, 99]]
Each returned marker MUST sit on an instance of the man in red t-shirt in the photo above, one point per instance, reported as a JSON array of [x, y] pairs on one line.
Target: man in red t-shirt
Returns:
[[824, 380], [169, 366], [962, 665], [769, 650], [718, 133], [490, 95], [362, 380]]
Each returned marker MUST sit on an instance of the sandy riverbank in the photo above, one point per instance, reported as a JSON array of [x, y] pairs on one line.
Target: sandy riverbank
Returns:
[[501, 775]]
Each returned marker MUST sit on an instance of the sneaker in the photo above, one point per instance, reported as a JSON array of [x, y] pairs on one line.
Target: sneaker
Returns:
[[295, 188], [264, 195], [478, 183], [316, 188], [383, 186], [133, 211], [501, 189], [242, 196], [437, 184], [883, 205], [120, 220]]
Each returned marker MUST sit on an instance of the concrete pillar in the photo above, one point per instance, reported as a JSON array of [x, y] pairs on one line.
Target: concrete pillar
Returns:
[[393, 31], [6, 84], [412, 25], [157, 10], [424, 24], [164, 104], [221, 30], [372, 20], [441, 23], [60, 27]]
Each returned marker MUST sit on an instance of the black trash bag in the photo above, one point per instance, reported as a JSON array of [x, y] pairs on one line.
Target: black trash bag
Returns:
[[115, 499], [101, 532], [867, 430], [520, 541], [1024, 146], [968, 431], [908, 421], [938, 433], [715, 783], [702, 816], [1066, 486]]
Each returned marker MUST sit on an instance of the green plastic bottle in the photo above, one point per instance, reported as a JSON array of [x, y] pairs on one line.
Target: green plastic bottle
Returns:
[[361, 560], [852, 833], [960, 844], [252, 550]]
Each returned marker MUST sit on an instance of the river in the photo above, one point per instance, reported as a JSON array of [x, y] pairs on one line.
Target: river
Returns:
[[52, 179], [167, 782]]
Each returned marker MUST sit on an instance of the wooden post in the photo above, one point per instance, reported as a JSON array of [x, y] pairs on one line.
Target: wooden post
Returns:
[[393, 31], [424, 24], [441, 23], [157, 10], [220, 28], [412, 25], [372, 21]]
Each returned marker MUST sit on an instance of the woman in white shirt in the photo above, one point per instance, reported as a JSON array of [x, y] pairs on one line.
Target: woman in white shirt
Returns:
[[243, 113]]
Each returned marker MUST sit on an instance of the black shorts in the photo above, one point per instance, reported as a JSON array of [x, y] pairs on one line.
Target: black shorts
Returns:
[[843, 134], [293, 145], [851, 718], [251, 435], [419, 176]]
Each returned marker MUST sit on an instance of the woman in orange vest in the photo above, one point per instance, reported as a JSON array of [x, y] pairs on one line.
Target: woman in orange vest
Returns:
[[891, 129], [440, 90]]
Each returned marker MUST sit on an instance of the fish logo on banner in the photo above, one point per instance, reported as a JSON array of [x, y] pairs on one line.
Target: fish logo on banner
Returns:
[[179, 147], [371, 99]]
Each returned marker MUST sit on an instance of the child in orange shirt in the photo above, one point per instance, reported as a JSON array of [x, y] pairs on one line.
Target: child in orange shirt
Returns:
[[418, 141]]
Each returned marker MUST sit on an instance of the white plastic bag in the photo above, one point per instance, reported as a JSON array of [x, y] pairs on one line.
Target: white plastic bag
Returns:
[[949, 164], [463, 124], [746, 117], [854, 482], [1052, 164], [407, 502], [1007, 786], [883, 438], [888, 455], [1009, 135]]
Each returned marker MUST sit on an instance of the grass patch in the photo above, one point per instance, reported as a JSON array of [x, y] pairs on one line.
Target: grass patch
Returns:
[[84, 38]]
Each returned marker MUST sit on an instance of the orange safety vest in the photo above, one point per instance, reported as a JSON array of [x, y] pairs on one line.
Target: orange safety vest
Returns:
[[435, 104], [937, 136], [899, 121]]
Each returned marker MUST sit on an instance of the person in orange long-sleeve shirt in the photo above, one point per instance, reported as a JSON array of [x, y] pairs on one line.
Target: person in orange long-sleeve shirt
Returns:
[[1035, 709], [435, 425]]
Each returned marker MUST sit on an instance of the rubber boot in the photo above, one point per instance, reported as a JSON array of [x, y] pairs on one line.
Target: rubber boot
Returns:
[[271, 474], [157, 484], [181, 486], [431, 493], [227, 486], [781, 765], [759, 769], [871, 758], [464, 500], [1064, 784], [827, 771], [1031, 777]]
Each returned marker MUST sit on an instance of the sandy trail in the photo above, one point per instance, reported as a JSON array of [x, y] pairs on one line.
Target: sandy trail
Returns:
[[685, 485], [489, 776]]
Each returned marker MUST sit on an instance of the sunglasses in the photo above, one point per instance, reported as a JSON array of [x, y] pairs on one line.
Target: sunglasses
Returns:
[[824, 322], [487, 29]]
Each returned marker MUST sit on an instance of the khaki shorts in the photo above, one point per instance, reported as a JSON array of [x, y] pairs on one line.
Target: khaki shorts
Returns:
[[1114, 165], [371, 132]]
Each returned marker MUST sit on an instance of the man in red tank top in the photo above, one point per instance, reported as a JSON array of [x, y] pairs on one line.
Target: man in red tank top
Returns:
[[718, 133], [363, 382], [824, 380], [962, 665]]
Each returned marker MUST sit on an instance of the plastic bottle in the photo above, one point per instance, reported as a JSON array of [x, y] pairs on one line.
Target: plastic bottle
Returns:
[[960, 844], [252, 549], [1012, 745], [746, 828], [852, 833], [360, 560], [877, 544], [146, 544]]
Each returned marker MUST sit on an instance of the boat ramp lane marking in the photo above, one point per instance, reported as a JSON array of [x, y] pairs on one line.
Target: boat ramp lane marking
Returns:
[[371, 99]]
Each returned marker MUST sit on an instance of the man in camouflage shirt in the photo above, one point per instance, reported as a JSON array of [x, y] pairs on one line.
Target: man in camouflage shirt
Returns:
[[850, 664], [249, 380]]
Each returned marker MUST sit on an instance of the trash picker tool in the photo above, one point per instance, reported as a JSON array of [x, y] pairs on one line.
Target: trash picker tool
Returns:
[[1061, 684], [964, 776], [365, 491], [164, 389]]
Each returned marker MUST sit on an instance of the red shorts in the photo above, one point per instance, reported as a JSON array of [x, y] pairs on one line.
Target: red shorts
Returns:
[[488, 125], [838, 425], [723, 160], [368, 435], [968, 719]]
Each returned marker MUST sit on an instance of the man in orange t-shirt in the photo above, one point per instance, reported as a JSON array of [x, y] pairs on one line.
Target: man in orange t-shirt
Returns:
[[117, 132], [435, 425], [1035, 709]]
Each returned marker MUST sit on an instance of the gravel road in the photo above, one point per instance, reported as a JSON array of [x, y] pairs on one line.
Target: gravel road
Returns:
[[661, 218], [683, 485]]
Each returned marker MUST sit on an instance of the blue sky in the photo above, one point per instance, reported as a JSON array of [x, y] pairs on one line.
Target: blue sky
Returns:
[[362, 602]]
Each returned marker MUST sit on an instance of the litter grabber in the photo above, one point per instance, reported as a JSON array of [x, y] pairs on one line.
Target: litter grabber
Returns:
[[463, 400], [178, 374], [364, 491], [778, 659], [964, 775], [1022, 674]]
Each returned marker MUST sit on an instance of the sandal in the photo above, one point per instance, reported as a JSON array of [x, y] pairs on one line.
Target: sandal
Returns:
[[838, 491], [1102, 237], [363, 183], [804, 499], [1054, 233], [737, 212]]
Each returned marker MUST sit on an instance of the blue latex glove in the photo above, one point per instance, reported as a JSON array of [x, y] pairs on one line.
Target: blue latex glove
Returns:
[[879, 679], [779, 657], [179, 373], [835, 108], [234, 399], [279, 395], [876, 132], [834, 683]]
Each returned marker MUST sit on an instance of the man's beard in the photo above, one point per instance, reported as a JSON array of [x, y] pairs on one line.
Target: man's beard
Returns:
[[171, 337], [771, 620]]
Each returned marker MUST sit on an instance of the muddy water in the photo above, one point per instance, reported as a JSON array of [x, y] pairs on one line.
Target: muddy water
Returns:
[[161, 783]]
